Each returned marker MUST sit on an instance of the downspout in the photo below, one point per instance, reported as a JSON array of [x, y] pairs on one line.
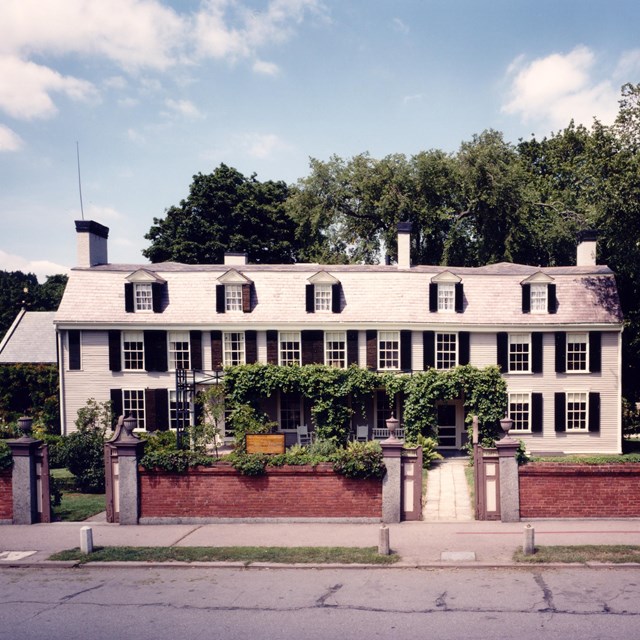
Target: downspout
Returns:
[[63, 413]]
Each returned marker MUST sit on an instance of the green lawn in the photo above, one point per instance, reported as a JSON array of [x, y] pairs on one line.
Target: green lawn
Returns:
[[79, 506], [614, 553]]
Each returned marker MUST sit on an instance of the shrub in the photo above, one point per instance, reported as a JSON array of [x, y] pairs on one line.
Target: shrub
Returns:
[[174, 460], [248, 464], [360, 460], [245, 419], [6, 459], [429, 449]]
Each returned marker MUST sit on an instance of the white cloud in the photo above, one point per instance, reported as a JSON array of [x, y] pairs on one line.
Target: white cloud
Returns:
[[184, 108], [25, 88], [400, 26], [135, 136], [9, 140], [42, 268], [115, 82], [128, 102], [266, 68], [258, 145], [628, 66], [416, 97], [553, 90]]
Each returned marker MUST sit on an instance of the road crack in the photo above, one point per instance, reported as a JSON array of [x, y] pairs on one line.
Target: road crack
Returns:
[[322, 600]]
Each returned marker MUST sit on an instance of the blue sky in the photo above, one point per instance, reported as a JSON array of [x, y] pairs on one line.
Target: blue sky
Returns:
[[155, 91]]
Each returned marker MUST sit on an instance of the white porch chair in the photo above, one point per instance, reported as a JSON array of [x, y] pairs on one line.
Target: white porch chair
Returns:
[[362, 433], [304, 437]]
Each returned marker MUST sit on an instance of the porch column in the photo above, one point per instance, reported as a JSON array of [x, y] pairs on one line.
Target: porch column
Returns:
[[392, 481], [24, 479]]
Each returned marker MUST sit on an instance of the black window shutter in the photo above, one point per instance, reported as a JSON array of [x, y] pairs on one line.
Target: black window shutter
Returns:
[[246, 298], [155, 351], [216, 350], [272, 347], [429, 347], [561, 352], [552, 303], [526, 298], [251, 346], [536, 348], [74, 350], [372, 349], [335, 297], [128, 297], [220, 299], [595, 352], [433, 297], [115, 353], [594, 412], [560, 417], [157, 289], [459, 297], [352, 347], [405, 351], [195, 339], [536, 412], [116, 403], [156, 408], [312, 347], [310, 298], [464, 355], [502, 341]]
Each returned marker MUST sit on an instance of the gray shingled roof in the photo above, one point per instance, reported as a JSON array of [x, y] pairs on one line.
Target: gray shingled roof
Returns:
[[31, 339], [373, 296]]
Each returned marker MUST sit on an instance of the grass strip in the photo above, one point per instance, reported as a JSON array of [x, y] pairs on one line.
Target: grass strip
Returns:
[[76, 507], [285, 555], [615, 554]]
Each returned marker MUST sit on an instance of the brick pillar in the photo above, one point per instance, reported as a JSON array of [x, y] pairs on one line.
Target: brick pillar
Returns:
[[24, 481], [509, 481], [392, 481]]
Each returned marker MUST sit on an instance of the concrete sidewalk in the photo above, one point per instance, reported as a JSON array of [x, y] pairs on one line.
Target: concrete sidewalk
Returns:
[[420, 544]]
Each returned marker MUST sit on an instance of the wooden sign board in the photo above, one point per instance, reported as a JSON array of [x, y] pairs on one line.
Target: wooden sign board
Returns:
[[265, 443]]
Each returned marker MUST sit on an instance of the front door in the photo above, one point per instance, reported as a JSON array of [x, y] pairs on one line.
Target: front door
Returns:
[[449, 414]]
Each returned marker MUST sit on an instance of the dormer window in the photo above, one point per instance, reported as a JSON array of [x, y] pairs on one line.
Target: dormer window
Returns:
[[446, 293], [323, 293], [143, 292], [233, 293], [538, 294]]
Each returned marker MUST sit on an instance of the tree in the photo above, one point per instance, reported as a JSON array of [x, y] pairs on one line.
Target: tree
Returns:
[[225, 212]]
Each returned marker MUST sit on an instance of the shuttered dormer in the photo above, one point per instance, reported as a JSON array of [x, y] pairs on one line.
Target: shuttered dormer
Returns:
[[144, 292], [233, 293], [539, 294], [323, 293], [446, 293]]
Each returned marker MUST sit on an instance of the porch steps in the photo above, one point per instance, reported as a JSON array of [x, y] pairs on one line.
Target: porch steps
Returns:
[[447, 498]]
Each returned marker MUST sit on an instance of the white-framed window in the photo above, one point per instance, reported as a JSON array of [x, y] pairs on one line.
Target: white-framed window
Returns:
[[335, 349], [322, 297], [520, 411], [133, 405], [446, 350], [233, 297], [143, 296], [290, 411], [446, 297], [577, 352], [389, 350], [539, 294], [289, 347], [179, 351], [173, 410], [233, 348], [133, 350], [577, 411], [519, 352]]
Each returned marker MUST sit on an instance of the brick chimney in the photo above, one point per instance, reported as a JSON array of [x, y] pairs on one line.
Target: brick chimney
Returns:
[[404, 245], [587, 247], [91, 243]]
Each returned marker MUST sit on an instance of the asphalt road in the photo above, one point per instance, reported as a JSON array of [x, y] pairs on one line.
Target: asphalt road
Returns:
[[172, 603]]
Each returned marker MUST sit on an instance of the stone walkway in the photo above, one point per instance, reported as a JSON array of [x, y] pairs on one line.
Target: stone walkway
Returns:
[[447, 496]]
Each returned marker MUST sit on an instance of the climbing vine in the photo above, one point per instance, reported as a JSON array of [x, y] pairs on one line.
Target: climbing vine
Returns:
[[336, 394]]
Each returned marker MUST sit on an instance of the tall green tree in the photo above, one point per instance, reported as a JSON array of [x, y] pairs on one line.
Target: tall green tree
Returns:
[[225, 211]]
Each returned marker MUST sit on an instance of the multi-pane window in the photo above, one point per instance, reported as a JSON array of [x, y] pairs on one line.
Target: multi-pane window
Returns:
[[185, 408], [446, 350], [290, 347], [335, 349], [577, 351], [322, 297], [133, 350], [539, 298], [290, 411], [383, 409], [179, 350], [233, 348], [143, 296], [446, 297], [388, 350], [133, 405], [233, 297], [576, 412], [520, 411], [519, 352]]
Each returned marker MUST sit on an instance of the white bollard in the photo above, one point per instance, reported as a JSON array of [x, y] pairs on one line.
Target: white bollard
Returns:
[[528, 546], [86, 540], [383, 541]]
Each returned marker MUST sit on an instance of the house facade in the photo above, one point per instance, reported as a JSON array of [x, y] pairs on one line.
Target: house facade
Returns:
[[123, 331]]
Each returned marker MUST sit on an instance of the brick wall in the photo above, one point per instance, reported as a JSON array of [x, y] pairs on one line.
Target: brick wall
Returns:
[[6, 495], [284, 492], [552, 490]]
